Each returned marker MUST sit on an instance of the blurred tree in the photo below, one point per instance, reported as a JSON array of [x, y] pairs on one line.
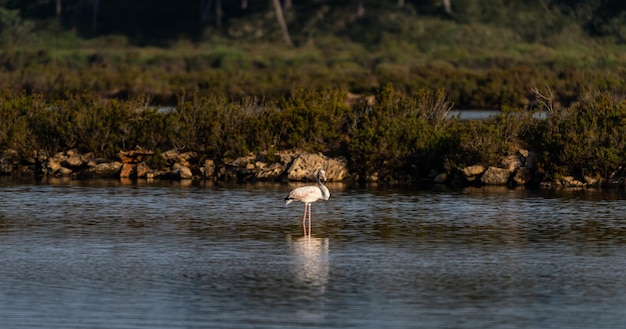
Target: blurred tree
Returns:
[[205, 11], [281, 22], [447, 7], [360, 9]]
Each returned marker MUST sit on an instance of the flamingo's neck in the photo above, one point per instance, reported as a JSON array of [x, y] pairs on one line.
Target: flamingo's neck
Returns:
[[324, 189]]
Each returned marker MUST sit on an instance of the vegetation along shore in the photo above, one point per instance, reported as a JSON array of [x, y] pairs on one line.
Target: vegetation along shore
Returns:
[[395, 138]]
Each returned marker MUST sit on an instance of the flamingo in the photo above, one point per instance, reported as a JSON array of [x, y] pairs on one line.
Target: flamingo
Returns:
[[308, 195]]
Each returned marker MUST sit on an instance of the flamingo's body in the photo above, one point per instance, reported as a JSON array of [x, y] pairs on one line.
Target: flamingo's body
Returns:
[[309, 194]]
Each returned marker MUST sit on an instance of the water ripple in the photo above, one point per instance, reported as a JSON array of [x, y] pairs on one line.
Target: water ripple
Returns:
[[110, 255]]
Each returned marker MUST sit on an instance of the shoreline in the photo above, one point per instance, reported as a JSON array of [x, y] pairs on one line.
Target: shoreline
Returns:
[[518, 170]]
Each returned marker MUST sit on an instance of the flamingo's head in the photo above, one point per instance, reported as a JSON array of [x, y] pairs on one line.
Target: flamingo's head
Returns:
[[321, 175]]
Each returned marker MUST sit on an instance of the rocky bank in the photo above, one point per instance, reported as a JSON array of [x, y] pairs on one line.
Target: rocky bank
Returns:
[[175, 164], [519, 169]]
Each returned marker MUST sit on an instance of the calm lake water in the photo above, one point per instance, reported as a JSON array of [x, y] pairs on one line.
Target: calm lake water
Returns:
[[108, 254]]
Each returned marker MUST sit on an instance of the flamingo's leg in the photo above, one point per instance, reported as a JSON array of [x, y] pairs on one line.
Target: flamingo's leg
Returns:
[[309, 219], [304, 219]]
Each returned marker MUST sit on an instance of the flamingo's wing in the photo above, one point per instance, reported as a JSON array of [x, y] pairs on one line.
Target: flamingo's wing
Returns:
[[304, 194]]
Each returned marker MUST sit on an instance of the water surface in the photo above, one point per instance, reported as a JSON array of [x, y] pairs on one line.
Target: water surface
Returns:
[[108, 254]]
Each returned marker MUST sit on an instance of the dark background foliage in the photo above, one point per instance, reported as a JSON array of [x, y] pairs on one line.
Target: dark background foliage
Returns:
[[485, 54]]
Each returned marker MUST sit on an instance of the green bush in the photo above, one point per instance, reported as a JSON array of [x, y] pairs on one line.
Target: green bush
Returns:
[[219, 127], [400, 135], [586, 138], [16, 114], [313, 120], [486, 141], [91, 124]]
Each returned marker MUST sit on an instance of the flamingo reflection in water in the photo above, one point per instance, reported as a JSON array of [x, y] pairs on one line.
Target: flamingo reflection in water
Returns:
[[308, 195], [310, 260]]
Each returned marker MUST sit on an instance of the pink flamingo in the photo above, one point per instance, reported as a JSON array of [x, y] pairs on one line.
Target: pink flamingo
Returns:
[[308, 195]]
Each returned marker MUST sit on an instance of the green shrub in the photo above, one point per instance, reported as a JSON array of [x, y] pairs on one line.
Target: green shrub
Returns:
[[584, 139], [400, 135], [486, 141], [313, 120], [16, 113]]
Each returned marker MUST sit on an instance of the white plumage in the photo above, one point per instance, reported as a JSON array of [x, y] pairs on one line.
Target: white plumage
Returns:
[[309, 194]]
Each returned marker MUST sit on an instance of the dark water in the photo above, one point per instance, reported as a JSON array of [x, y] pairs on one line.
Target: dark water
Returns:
[[103, 254]]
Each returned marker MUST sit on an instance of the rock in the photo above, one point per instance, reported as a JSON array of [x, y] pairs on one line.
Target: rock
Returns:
[[41, 156], [511, 162], [64, 172], [271, 172], [570, 181], [128, 170], [185, 173], [60, 156], [337, 169], [8, 161], [106, 169], [170, 154], [243, 167], [592, 181], [174, 156], [523, 153], [142, 169], [73, 161], [441, 178], [244, 161], [209, 168], [134, 156], [305, 165], [523, 176], [53, 165], [87, 157], [287, 158], [181, 171], [471, 173], [495, 176], [474, 170]]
